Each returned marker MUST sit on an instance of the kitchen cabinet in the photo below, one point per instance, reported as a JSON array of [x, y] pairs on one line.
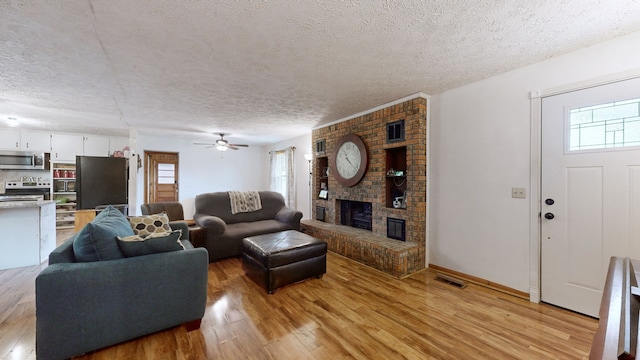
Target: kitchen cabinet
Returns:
[[95, 145], [63, 175], [16, 139], [35, 140], [10, 139], [28, 231], [65, 147]]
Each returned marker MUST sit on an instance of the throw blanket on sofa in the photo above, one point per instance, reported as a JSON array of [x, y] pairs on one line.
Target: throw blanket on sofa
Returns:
[[244, 201]]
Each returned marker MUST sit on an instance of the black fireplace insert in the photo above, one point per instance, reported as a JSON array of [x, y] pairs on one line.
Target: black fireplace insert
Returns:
[[356, 214]]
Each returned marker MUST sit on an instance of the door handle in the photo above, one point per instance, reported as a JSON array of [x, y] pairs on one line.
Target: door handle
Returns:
[[549, 216]]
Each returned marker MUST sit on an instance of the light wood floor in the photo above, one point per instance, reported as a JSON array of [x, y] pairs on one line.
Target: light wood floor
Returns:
[[352, 312]]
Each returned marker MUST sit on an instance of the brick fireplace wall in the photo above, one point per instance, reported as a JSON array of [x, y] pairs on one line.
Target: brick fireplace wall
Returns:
[[372, 129]]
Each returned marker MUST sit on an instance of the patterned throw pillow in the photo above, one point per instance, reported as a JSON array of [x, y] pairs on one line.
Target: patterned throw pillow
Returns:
[[149, 224], [137, 245]]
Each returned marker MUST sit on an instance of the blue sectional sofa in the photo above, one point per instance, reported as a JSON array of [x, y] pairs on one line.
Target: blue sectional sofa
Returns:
[[84, 306]]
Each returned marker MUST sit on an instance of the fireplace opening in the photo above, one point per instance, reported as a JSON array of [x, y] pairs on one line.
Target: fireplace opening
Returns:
[[356, 214]]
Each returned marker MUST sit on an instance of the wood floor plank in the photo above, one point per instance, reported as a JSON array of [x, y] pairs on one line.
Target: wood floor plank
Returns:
[[353, 312]]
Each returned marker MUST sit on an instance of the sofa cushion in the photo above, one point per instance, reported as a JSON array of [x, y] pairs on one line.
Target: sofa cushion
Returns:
[[149, 224], [219, 204], [137, 245], [242, 230], [97, 240]]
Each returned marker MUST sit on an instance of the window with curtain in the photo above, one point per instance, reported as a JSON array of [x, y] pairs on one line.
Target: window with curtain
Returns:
[[282, 172]]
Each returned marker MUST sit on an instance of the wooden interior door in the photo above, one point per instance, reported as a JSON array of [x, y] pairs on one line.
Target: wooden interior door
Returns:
[[161, 176]]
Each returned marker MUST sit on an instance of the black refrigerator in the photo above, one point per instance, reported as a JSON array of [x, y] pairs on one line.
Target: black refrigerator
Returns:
[[101, 181]]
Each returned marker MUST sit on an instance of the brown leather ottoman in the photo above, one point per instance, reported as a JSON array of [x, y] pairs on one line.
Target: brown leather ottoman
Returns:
[[282, 258]]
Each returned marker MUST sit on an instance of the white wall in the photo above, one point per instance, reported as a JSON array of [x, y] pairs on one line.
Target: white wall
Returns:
[[480, 148], [204, 169], [301, 165]]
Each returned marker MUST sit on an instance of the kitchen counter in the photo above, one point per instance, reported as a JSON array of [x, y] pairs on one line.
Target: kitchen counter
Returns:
[[24, 204], [29, 232]]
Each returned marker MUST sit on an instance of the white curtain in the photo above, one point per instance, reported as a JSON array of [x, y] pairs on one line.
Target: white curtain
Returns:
[[282, 174]]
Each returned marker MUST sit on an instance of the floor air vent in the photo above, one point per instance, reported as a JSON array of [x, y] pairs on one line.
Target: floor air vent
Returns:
[[451, 280]]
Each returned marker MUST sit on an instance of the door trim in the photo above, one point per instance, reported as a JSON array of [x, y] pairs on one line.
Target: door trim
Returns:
[[535, 241]]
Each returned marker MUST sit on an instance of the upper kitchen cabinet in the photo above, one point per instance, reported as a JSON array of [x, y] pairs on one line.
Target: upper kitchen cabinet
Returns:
[[16, 139], [10, 139], [66, 146], [35, 140], [95, 145]]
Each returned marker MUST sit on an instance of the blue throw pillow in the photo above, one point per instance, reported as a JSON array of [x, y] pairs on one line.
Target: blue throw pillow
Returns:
[[137, 245], [97, 240]]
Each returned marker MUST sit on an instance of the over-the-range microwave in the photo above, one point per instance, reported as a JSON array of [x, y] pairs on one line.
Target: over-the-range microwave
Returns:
[[24, 160]]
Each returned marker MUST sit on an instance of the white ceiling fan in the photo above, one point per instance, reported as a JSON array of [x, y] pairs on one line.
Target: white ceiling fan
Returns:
[[222, 144]]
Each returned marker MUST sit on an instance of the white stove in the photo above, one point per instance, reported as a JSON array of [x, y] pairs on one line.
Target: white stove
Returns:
[[26, 189], [27, 184]]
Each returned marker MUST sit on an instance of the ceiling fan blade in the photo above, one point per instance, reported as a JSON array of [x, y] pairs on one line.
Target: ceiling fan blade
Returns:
[[232, 147], [241, 145], [195, 143]]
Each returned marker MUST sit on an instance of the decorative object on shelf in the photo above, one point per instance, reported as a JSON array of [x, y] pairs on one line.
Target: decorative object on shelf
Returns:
[[324, 194], [222, 144], [399, 183], [349, 160]]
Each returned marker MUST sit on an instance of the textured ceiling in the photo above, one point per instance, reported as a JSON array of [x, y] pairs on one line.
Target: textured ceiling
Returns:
[[265, 71]]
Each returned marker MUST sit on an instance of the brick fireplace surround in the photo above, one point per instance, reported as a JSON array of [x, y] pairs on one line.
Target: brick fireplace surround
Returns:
[[373, 248]]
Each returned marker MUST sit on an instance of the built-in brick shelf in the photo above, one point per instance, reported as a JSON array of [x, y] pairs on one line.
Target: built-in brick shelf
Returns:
[[394, 257]]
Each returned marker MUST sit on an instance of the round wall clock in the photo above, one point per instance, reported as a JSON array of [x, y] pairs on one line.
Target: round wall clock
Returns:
[[349, 160]]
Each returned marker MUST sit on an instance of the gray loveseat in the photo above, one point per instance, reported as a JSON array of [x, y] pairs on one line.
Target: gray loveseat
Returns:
[[84, 306], [225, 230]]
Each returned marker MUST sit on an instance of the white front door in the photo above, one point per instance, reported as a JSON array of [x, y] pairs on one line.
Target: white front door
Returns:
[[590, 190]]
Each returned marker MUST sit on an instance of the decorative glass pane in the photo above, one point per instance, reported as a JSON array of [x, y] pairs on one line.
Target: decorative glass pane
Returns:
[[166, 174], [602, 126], [632, 135]]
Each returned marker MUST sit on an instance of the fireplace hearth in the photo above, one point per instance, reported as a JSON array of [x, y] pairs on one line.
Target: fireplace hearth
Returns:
[[356, 214]]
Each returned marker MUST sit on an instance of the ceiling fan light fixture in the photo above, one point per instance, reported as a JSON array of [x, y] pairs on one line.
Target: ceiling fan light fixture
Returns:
[[222, 144]]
